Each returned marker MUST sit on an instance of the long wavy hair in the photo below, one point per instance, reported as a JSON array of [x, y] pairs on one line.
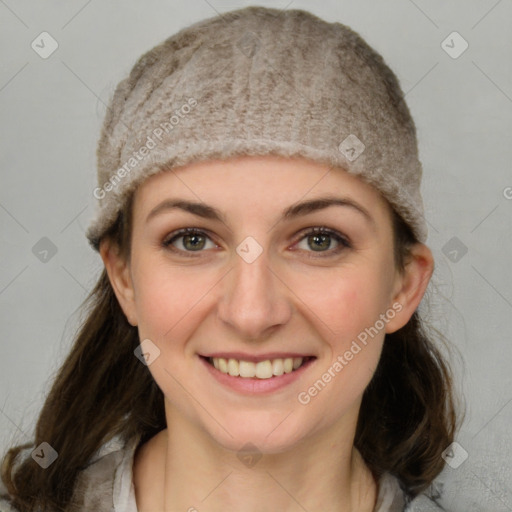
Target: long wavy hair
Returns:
[[408, 415]]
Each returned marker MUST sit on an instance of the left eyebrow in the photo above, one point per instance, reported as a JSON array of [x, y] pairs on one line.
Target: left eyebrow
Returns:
[[296, 210], [321, 203], [199, 209]]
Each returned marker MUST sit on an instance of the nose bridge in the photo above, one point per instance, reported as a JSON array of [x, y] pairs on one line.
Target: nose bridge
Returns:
[[253, 299]]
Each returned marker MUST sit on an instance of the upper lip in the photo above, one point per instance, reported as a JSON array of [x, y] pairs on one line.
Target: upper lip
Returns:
[[255, 358]]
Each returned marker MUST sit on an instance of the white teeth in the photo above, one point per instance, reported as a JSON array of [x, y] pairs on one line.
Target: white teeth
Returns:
[[247, 369], [233, 368], [262, 370], [223, 365], [297, 361], [277, 367]]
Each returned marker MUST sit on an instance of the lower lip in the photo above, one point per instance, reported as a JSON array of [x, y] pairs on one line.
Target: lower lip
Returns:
[[254, 385]]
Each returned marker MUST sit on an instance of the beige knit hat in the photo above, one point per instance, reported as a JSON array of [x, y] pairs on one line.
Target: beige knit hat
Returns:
[[259, 81]]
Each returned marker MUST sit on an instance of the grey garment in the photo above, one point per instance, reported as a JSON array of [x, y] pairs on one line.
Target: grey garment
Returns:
[[4, 504], [100, 487], [106, 485]]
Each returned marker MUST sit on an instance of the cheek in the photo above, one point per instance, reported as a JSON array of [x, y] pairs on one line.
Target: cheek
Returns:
[[344, 302], [347, 307], [169, 306], [352, 349], [166, 299]]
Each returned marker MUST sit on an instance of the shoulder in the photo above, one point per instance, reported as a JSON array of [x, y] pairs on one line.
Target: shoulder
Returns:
[[98, 485], [5, 497], [5, 506], [423, 503], [106, 480], [392, 498]]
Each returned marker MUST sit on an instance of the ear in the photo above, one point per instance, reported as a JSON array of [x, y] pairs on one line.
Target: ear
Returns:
[[118, 271], [411, 285]]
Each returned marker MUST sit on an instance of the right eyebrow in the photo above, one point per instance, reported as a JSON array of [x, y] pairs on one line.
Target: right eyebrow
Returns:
[[296, 210]]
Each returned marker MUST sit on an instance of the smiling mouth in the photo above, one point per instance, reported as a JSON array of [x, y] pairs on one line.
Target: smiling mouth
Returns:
[[261, 370]]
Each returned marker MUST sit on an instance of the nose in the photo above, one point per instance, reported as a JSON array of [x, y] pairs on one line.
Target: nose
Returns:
[[254, 299]]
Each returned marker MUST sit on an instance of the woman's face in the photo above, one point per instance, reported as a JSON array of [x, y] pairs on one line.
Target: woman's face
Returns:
[[253, 282]]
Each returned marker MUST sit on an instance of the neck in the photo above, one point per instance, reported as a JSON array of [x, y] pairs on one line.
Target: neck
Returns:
[[182, 468]]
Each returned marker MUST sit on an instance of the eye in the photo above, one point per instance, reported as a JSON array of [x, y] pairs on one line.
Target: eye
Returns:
[[319, 239], [188, 240]]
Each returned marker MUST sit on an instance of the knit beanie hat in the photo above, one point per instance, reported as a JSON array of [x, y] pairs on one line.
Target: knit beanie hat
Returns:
[[258, 81]]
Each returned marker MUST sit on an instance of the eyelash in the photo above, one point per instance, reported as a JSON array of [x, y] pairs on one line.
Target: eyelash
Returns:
[[343, 242]]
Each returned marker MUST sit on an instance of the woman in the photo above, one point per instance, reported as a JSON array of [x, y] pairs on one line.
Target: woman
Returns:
[[253, 342]]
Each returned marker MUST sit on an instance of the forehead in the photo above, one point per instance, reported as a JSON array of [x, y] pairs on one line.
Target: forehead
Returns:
[[261, 191], [270, 180]]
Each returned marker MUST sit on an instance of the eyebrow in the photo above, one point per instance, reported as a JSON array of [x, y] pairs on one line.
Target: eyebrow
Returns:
[[296, 210]]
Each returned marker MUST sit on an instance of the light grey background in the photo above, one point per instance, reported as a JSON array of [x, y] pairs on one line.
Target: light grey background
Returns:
[[51, 114]]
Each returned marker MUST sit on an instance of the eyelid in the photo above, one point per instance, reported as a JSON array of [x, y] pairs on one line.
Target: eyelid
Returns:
[[179, 233], [343, 241], [323, 229]]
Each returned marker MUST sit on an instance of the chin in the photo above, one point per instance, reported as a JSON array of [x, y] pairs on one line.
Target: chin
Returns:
[[267, 432]]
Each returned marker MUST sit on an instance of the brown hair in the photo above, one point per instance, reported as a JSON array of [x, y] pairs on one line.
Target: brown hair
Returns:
[[407, 416]]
